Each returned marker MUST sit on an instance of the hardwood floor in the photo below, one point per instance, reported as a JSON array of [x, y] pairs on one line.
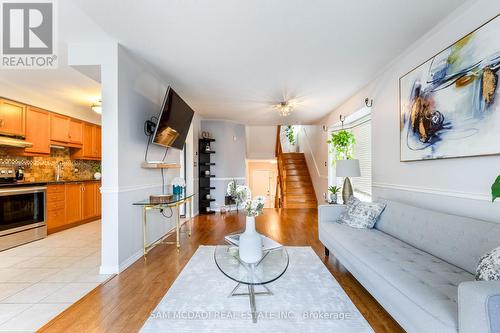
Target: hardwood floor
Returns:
[[123, 303]]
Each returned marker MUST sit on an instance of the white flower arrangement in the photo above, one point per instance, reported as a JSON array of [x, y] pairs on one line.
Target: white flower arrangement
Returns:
[[255, 206], [242, 193], [231, 189]]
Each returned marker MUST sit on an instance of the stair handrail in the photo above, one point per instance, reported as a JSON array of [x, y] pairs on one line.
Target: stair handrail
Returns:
[[278, 202]]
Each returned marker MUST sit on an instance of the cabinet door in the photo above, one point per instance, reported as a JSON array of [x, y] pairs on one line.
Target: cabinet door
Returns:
[[89, 200], [88, 140], [73, 202], [12, 118], [97, 142], [59, 128], [98, 198], [38, 130], [75, 131]]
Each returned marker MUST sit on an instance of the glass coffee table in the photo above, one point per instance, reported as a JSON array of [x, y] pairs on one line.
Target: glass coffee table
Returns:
[[270, 268]]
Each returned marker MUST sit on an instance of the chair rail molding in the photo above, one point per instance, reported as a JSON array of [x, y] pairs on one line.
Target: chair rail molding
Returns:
[[434, 191]]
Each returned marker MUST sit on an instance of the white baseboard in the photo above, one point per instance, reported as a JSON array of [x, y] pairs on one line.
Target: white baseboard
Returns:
[[108, 270]]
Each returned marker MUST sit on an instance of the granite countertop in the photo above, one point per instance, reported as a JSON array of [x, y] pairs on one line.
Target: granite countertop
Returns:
[[47, 182]]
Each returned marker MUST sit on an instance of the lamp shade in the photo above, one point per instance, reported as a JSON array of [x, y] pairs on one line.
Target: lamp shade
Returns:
[[348, 168]]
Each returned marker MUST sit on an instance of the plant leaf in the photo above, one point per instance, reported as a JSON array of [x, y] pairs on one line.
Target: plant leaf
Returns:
[[495, 189]]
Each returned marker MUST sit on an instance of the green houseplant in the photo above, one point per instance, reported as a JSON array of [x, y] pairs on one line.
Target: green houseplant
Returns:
[[342, 144], [290, 135], [495, 189], [333, 191]]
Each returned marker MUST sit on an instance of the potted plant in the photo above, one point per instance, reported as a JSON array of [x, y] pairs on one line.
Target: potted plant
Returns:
[[292, 140], [495, 189], [250, 247], [333, 191], [342, 145]]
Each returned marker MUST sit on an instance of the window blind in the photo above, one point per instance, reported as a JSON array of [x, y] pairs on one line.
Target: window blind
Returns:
[[363, 152]]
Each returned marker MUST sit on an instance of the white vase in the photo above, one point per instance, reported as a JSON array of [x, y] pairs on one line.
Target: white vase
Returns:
[[97, 175], [250, 243]]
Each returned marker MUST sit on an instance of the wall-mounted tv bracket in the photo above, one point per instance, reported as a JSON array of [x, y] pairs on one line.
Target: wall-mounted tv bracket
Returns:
[[149, 127]]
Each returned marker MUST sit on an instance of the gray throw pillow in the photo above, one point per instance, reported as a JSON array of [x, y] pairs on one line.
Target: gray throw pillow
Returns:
[[489, 266], [359, 214]]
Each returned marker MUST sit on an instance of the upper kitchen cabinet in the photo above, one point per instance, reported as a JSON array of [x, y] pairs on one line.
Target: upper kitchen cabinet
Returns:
[[12, 118], [37, 131], [91, 148], [75, 131], [59, 128]]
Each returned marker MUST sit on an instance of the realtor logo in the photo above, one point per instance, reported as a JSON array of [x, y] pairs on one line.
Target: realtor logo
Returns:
[[28, 34]]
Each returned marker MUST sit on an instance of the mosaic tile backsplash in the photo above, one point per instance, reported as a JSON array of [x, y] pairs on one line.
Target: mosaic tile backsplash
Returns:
[[39, 169]]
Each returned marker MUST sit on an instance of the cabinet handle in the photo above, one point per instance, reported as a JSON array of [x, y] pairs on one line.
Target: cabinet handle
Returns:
[[1, 122]]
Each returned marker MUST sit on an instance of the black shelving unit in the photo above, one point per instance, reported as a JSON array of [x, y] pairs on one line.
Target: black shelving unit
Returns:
[[204, 165]]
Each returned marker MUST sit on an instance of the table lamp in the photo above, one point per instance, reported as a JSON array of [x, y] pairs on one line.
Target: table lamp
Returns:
[[347, 168]]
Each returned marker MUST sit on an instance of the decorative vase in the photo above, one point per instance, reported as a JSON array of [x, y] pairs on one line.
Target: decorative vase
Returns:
[[97, 175], [333, 198], [250, 243]]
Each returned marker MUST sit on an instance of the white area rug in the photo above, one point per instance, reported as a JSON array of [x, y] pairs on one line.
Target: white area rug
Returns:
[[306, 299]]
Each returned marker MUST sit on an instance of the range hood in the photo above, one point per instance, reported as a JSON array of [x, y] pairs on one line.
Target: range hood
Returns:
[[12, 142]]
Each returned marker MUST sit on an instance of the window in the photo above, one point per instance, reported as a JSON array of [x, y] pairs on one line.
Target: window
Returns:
[[359, 124]]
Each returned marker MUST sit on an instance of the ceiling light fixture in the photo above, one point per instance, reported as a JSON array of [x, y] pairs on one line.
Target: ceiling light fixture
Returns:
[[97, 107], [284, 108]]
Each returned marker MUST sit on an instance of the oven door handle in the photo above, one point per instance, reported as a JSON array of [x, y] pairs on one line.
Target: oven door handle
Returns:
[[24, 190]]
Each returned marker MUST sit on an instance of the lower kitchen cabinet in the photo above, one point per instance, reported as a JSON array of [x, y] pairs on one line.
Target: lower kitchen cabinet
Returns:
[[72, 204]]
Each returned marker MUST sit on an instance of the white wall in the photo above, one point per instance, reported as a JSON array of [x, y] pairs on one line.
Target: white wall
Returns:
[[230, 148], [460, 186], [132, 93], [261, 142], [312, 142]]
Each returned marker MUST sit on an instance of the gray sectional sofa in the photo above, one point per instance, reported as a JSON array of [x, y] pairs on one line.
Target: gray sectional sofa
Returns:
[[420, 265]]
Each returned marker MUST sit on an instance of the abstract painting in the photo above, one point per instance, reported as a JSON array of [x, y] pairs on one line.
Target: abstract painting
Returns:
[[450, 105]]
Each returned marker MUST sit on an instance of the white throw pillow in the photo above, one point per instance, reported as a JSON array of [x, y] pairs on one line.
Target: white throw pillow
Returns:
[[359, 214], [489, 266]]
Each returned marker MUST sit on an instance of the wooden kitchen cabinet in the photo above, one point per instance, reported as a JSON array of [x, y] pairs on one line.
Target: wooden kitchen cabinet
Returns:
[[12, 118], [72, 204], [37, 131], [59, 128], [98, 198], [75, 131], [97, 142], [91, 148], [89, 200], [74, 196], [56, 208]]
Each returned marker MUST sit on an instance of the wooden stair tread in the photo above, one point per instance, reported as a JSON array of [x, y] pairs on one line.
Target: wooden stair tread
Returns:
[[298, 190]]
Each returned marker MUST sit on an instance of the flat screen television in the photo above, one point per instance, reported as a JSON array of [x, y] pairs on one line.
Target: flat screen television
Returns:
[[173, 122]]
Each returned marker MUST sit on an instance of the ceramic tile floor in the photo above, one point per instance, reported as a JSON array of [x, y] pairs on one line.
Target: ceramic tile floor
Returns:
[[41, 279]]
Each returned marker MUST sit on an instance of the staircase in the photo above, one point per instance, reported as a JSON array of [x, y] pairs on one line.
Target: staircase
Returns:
[[298, 190]]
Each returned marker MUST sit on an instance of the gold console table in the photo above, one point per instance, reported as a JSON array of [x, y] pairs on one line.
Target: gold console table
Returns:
[[174, 202]]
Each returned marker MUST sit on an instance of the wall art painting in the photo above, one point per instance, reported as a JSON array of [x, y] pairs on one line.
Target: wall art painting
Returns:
[[450, 105]]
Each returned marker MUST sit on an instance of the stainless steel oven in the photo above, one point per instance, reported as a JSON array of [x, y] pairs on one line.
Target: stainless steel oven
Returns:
[[22, 215]]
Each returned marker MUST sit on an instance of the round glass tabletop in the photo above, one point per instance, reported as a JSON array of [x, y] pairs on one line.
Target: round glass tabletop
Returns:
[[272, 265]]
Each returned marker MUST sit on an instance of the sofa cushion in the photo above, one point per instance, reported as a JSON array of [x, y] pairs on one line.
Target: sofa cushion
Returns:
[[458, 240], [429, 282]]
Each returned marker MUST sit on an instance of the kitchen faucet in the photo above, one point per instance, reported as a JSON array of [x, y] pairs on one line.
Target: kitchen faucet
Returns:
[[58, 171]]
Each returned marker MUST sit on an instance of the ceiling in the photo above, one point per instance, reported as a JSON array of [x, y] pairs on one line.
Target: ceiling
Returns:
[[233, 59]]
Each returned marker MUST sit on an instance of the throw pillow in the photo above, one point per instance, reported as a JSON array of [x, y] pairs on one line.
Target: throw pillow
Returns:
[[489, 266], [344, 217], [362, 215]]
